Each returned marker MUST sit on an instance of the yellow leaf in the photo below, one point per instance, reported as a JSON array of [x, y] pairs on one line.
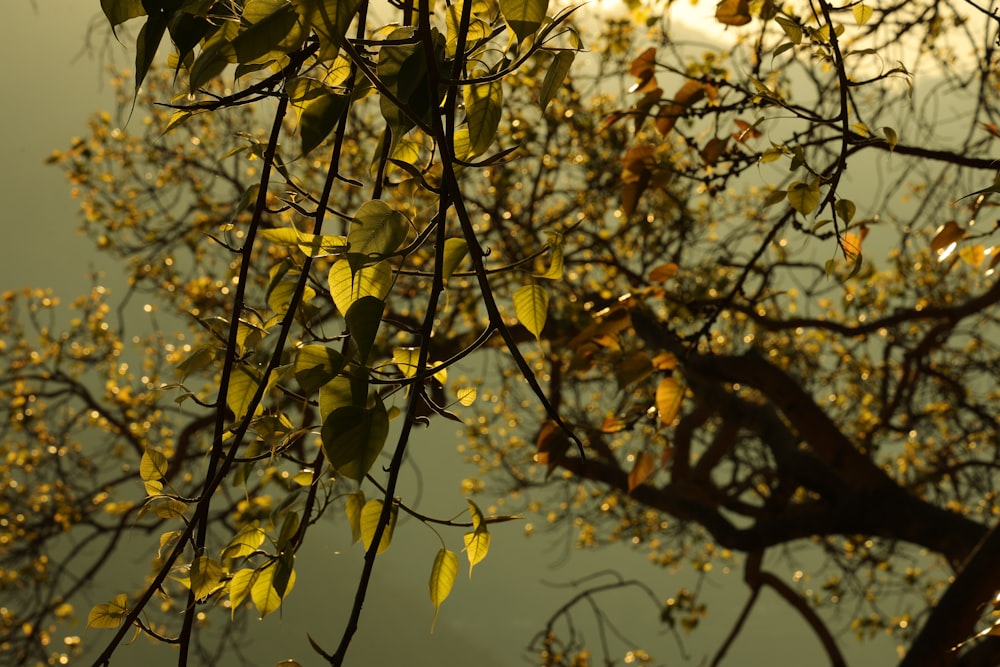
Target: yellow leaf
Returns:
[[443, 574], [733, 12], [477, 544], [369, 521], [466, 396], [108, 614], [206, 577], [862, 13], [263, 593], [153, 465], [669, 394], [531, 304]]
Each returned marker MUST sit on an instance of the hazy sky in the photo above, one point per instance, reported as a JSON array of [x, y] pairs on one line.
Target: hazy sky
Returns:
[[52, 87]]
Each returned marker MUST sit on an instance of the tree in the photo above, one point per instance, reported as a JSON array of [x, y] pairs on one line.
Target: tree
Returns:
[[703, 360]]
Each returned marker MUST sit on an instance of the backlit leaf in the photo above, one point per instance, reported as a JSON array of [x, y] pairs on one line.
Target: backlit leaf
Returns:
[[245, 542], [524, 16], [531, 304], [348, 286], [239, 588], [663, 272], [109, 614], [153, 465], [804, 197], [443, 574], [477, 545], [669, 394], [642, 468], [319, 118], [862, 13], [376, 231], [455, 250], [263, 592], [554, 76], [370, 514], [206, 577], [242, 386], [733, 12], [466, 396]]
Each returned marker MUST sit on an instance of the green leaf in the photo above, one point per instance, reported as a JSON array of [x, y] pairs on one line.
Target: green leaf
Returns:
[[109, 614], [554, 76], [315, 365], [320, 117], [363, 319], [348, 286], [119, 11], [147, 43], [804, 197], [197, 360], [370, 514], [455, 251], [263, 593], [443, 574], [206, 577], [376, 231], [353, 437], [329, 19], [272, 31], [209, 64], [524, 16], [845, 210], [483, 108], [338, 392], [245, 542], [153, 465], [531, 304], [890, 137], [352, 507]]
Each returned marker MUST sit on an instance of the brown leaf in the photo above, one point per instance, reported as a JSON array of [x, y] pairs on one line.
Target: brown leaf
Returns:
[[713, 150], [643, 467], [663, 272], [746, 131], [612, 425], [690, 93], [733, 12], [949, 233]]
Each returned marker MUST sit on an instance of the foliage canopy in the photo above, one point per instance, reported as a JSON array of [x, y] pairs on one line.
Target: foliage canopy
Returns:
[[725, 303]]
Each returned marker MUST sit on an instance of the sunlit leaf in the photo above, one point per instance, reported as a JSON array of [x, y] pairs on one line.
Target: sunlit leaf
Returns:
[[243, 386], [153, 465], [455, 251], [108, 614], [376, 231], [466, 396], [477, 545], [947, 234], [669, 394], [443, 574], [348, 286], [804, 197], [245, 542], [733, 12], [554, 76], [531, 304], [239, 587], [862, 13], [263, 593], [370, 514], [663, 272], [642, 468], [524, 16], [206, 577]]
